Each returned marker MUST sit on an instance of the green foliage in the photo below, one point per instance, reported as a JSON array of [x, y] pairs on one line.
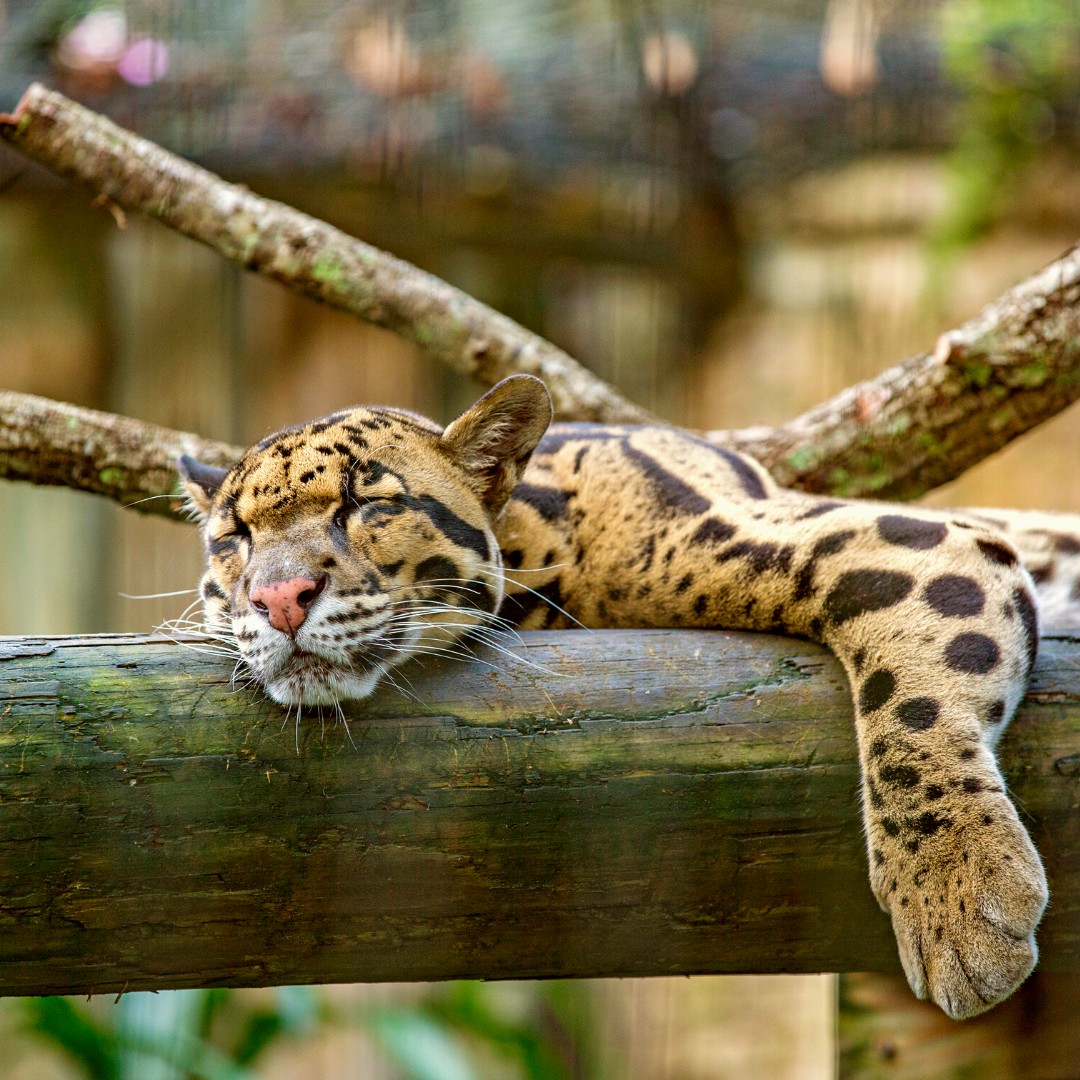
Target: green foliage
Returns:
[[1013, 61], [204, 1034], [474, 1030], [453, 1031]]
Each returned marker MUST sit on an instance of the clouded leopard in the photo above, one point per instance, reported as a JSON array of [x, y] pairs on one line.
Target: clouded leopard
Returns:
[[338, 549]]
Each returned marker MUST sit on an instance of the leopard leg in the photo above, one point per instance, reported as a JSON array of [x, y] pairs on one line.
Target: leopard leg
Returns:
[[938, 659]]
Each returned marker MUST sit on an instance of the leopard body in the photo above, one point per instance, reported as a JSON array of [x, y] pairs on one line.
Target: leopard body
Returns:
[[386, 537]]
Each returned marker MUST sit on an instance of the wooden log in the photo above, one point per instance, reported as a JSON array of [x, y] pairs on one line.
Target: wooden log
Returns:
[[615, 803]]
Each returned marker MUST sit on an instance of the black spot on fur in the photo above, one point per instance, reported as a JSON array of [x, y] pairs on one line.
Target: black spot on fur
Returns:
[[447, 522], [918, 713], [761, 557], [713, 531], [744, 469], [513, 558], [684, 583], [438, 568], [819, 509], [479, 595], [700, 604], [879, 747], [972, 654], [929, 823], [1043, 573], [997, 552], [972, 785], [517, 607], [211, 590], [832, 544], [858, 660], [890, 826], [673, 492], [904, 776], [390, 569], [955, 596], [860, 591], [910, 532], [647, 553], [557, 436], [995, 712], [1030, 619], [877, 690], [1067, 545], [934, 792], [549, 503], [227, 545]]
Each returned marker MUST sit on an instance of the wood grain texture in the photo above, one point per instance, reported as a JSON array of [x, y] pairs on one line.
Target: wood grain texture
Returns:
[[620, 803]]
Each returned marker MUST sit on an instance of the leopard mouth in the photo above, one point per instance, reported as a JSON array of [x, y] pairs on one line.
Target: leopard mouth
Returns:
[[308, 678]]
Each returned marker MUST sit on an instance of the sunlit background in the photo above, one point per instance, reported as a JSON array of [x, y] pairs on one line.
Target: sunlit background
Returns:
[[729, 210]]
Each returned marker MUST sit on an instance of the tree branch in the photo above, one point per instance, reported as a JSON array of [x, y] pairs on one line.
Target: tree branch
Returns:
[[300, 251], [661, 802], [130, 461], [912, 428], [927, 420]]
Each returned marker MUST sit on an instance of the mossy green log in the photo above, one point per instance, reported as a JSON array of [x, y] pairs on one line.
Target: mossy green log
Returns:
[[615, 803]]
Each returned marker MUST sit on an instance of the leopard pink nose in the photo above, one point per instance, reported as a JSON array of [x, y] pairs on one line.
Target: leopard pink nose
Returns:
[[285, 603]]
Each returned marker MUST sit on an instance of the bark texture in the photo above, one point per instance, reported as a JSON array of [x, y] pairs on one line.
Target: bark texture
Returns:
[[639, 803], [129, 461]]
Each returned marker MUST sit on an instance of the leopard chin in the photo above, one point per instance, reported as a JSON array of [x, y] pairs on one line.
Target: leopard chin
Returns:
[[310, 680]]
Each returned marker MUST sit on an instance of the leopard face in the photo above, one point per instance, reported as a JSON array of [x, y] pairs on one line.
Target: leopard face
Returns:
[[338, 549]]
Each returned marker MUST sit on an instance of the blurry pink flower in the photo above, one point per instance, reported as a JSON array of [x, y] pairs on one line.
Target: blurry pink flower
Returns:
[[145, 61]]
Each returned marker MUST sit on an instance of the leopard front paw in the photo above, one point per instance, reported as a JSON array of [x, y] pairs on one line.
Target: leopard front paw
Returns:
[[965, 913]]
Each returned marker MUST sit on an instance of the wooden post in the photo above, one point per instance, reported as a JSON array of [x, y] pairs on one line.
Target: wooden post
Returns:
[[616, 803]]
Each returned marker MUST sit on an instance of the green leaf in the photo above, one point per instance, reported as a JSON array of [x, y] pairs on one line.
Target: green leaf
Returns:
[[71, 1030], [420, 1047]]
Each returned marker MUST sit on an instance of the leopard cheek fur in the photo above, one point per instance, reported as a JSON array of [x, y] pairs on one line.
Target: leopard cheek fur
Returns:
[[492, 523]]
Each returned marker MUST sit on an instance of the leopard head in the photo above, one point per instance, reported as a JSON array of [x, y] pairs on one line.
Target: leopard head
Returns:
[[338, 549]]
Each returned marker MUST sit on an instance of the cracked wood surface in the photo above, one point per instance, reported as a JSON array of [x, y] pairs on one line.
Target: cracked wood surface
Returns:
[[622, 803]]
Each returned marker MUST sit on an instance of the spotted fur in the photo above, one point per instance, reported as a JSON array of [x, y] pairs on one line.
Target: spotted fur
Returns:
[[412, 537]]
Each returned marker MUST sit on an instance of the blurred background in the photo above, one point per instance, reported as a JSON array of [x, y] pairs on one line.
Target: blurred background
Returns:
[[730, 211]]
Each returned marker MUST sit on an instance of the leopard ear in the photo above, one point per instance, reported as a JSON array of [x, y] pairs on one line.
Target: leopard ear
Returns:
[[494, 440], [201, 482]]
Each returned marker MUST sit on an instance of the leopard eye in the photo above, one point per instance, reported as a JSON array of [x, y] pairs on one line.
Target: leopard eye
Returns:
[[340, 520], [231, 528]]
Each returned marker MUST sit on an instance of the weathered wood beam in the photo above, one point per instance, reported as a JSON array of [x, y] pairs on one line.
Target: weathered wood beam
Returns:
[[618, 803]]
